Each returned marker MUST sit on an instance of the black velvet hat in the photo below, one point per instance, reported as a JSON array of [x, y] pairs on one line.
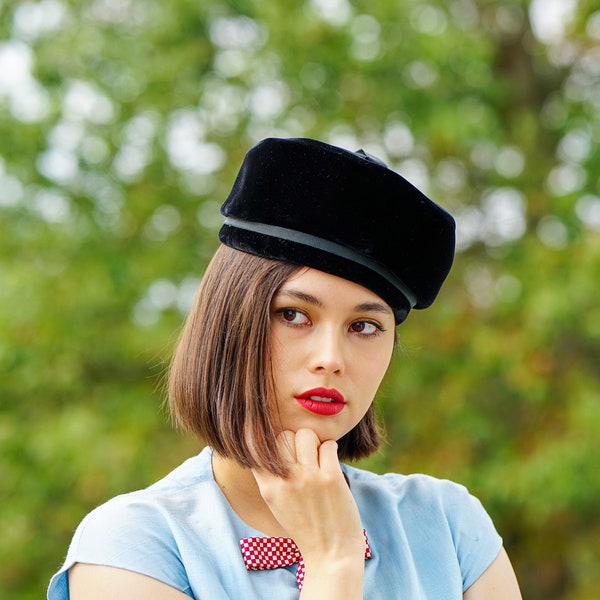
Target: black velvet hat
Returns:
[[345, 213]]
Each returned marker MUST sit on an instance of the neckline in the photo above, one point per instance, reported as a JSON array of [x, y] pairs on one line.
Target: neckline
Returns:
[[241, 524]]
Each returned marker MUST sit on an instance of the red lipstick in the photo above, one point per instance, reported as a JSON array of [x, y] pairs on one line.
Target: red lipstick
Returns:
[[322, 401]]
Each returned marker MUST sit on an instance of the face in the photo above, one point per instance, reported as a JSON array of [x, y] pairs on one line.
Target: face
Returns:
[[332, 341]]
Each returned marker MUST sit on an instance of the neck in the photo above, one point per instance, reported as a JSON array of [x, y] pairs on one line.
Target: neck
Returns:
[[241, 490]]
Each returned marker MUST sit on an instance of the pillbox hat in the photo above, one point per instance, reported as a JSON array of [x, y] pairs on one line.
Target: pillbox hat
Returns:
[[306, 202]]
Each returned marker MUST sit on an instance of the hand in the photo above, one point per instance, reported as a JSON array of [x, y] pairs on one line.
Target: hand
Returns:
[[314, 503]]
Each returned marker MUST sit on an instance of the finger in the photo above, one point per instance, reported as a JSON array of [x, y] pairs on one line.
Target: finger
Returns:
[[307, 447], [328, 456]]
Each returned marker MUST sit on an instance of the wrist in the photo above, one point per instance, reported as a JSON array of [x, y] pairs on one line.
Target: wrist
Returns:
[[336, 550], [339, 578]]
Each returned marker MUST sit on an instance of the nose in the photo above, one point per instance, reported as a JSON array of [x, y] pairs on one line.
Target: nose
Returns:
[[327, 352]]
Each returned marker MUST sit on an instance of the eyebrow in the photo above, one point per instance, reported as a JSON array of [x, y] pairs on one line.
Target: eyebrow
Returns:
[[373, 307], [379, 307], [303, 296]]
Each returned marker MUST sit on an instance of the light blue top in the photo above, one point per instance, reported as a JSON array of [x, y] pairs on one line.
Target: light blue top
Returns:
[[430, 538]]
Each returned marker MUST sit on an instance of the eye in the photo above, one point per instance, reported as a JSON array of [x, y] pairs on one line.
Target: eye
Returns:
[[366, 328], [292, 316]]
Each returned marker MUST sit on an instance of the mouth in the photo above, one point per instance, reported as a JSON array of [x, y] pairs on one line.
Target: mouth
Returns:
[[322, 401]]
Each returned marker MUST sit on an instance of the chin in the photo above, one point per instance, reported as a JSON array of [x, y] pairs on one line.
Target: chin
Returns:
[[325, 434]]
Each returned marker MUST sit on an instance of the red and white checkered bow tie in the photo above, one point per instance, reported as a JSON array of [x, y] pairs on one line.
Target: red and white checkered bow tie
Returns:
[[261, 553]]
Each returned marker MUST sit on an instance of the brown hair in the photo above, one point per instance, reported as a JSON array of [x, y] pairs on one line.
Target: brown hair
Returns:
[[221, 385]]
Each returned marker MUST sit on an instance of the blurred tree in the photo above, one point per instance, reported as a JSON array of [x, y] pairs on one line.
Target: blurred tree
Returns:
[[122, 124]]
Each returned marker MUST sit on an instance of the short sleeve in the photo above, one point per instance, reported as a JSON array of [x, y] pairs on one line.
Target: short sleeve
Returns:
[[127, 534], [475, 538]]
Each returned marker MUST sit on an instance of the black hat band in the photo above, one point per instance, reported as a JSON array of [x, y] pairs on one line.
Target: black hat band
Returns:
[[306, 239]]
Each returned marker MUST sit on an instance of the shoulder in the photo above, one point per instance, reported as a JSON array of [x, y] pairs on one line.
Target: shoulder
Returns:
[[142, 531], [417, 494], [428, 513], [151, 515], [418, 489]]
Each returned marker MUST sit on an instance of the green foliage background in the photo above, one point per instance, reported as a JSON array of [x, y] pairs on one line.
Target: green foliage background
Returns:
[[122, 124]]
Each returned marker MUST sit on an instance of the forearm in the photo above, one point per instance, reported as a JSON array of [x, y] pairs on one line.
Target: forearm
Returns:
[[314, 504], [329, 580]]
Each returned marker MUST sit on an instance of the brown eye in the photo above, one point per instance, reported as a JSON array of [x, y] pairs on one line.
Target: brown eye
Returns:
[[288, 314], [292, 316], [365, 328]]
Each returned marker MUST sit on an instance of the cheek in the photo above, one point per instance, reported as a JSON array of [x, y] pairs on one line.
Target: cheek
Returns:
[[280, 358], [376, 364]]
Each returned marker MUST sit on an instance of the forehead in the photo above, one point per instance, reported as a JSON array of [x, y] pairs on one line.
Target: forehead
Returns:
[[326, 289]]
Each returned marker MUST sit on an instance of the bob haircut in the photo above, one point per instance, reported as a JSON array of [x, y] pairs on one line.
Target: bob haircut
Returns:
[[221, 386]]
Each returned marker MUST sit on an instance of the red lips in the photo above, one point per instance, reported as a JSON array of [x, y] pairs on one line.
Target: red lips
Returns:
[[322, 401]]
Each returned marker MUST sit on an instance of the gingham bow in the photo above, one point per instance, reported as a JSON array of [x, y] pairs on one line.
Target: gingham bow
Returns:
[[261, 553]]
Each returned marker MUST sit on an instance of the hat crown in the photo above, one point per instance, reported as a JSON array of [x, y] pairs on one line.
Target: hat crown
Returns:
[[310, 203]]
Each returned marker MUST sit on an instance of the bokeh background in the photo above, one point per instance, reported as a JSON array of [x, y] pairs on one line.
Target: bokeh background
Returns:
[[122, 125]]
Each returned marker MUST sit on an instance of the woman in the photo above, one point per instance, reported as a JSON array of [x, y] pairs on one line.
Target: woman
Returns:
[[324, 252]]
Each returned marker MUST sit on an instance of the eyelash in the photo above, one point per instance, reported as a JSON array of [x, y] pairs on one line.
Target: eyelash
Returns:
[[280, 314], [378, 328]]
